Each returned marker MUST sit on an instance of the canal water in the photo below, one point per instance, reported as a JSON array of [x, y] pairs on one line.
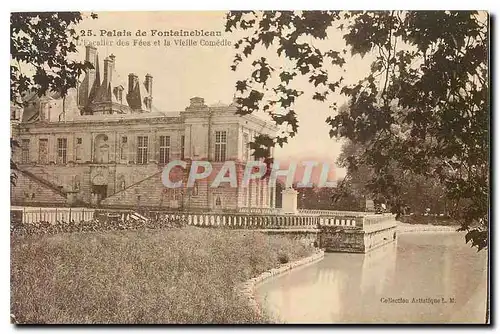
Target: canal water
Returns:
[[423, 278]]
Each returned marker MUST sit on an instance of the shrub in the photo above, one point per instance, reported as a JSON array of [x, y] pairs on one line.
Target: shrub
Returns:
[[283, 258]]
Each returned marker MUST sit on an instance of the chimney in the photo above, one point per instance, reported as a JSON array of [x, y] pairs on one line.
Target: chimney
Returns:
[[149, 84], [90, 54], [197, 102], [109, 65], [132, 80], [86, 87], [134, 94]]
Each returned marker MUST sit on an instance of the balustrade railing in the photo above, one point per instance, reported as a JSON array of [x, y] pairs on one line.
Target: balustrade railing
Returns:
[[263, 218], [373, 219], [54, 215]]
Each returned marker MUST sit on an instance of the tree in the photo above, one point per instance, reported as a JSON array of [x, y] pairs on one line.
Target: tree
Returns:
[[423, 106], [40, 44], [416, 192]]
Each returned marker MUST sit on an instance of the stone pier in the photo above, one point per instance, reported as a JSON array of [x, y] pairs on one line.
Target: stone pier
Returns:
[[370, 232]]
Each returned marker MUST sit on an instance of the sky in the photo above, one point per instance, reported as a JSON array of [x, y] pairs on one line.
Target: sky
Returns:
[[182, 72]]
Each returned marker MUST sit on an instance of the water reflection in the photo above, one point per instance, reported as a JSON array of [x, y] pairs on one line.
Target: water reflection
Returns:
[[373, 287]]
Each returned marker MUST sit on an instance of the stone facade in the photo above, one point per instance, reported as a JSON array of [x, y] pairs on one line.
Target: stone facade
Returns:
[[104, 144]]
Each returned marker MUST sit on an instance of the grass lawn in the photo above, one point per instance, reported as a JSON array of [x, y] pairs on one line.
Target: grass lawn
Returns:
[[153, 276]]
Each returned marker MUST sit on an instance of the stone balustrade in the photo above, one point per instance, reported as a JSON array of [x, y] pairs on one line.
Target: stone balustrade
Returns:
[[335, 231], [375, 219], [260, 218], [53, 215], [240, 220], [334, 220]]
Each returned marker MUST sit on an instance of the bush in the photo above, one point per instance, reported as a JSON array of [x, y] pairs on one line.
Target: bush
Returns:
[[97, 224], [283, 258]]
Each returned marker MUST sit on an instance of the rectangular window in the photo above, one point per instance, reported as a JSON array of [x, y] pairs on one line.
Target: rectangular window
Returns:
[[78, 140], [164, 149], [62, 147], [220, 145], [142, 149], [183, 143], [25, 151], [43, 152]]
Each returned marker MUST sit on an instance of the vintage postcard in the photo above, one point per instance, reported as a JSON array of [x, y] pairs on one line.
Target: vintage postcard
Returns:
[[229, 167]]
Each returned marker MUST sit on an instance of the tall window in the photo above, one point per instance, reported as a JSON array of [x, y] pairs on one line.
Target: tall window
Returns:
[[142, 149], [43, 151], [183, 143], [164, 149], [25, 151], [62, 147], [220, 145]]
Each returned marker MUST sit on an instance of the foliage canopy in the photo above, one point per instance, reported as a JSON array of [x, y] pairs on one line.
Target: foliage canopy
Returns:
[[423, 106]]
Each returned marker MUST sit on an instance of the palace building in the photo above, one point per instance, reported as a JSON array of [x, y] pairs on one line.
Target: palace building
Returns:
[[105, 144]]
